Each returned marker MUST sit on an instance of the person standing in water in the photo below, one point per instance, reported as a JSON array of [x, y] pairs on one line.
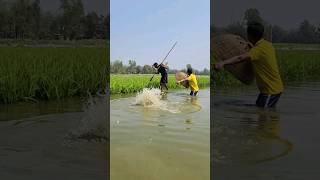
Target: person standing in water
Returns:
[[264, 62], [162, 69], [193, 83]]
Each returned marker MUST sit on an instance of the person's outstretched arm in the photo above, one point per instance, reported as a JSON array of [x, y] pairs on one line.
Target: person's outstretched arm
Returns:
[[232, 60], [187, 78]]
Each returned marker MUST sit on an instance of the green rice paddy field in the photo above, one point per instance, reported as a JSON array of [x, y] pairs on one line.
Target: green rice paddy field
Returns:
[[31, 74], [122, 84]]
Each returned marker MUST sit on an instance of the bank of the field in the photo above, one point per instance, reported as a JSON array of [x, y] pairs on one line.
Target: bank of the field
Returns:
[[296, 46], [130, 83], [54, 43], [28, 74], [294, 66]]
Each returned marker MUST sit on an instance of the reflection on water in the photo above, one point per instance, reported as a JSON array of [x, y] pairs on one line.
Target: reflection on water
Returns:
[[256, 143], [248, 140], [36, 142], [25, 110], [161, 143]]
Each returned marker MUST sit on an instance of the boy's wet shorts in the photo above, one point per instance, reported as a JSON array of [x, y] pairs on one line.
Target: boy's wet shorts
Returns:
[[164, 79], [193, 93], [267, 100]]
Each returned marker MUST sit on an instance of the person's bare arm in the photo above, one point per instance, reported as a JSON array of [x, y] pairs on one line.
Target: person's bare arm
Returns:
[[232, 60], [185, 79]]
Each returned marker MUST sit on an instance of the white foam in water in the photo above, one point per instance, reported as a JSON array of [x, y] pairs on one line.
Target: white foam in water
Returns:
[[151, 98]]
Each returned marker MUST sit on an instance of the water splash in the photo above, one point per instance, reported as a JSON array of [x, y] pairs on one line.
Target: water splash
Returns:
[[149, 97], [152, 98]]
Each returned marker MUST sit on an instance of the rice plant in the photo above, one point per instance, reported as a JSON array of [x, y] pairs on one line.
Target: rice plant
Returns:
[[51, 73]]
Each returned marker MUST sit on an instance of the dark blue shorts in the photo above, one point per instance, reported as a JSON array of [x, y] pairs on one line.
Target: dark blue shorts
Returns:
[[164, 79], [193, 93], [267, 100]]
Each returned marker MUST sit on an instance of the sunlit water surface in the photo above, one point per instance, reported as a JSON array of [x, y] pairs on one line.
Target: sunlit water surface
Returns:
[[166, 140]]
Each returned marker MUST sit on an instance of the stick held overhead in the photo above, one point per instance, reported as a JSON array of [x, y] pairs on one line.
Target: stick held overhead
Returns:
[[165, 57]]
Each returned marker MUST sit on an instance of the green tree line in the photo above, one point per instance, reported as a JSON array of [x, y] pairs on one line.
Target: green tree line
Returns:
[[305, 33], [118, 67], [24, 19]]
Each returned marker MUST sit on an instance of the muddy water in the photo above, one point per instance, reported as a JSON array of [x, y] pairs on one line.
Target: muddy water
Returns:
[[53, 140], [250, 143], [168, 142]]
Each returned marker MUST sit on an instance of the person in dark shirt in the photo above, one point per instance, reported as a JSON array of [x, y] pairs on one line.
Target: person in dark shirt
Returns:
[[162, 69]]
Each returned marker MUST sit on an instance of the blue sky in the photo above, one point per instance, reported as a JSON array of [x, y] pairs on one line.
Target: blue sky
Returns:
[[145, 30]]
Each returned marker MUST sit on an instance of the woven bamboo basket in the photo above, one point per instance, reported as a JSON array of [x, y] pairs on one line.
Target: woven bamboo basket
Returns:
[[181, 75], [227, 46]]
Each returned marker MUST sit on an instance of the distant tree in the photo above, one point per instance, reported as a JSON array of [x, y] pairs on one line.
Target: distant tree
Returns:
[[100, 27], [91, 23], [307, 32], [139, 69], [72, 19], [117, 67], [24, 19], [4, 20], [147, 69], [236, 28], [205, 71], [318, 33], [19, 18], [278, 34], [292, 36], [35, 18], [252, 15], [106, 27], [132, 67]]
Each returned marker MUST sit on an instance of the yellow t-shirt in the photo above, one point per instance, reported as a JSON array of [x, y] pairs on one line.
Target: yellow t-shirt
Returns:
[[264, 61], [193, 83]]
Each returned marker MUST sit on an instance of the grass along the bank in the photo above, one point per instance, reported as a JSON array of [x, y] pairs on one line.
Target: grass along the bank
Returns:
[[294, 65], [130, 83], [51, 73]]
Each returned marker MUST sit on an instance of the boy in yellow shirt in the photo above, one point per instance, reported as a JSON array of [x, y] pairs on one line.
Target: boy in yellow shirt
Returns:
[[264, 62], [193, 83]]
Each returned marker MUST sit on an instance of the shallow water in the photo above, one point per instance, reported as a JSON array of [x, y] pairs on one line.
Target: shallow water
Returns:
[[250, 143], [53, 140], [161, 142]]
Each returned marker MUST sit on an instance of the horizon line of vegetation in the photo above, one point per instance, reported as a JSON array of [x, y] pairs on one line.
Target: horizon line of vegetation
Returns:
[[118, 67]]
